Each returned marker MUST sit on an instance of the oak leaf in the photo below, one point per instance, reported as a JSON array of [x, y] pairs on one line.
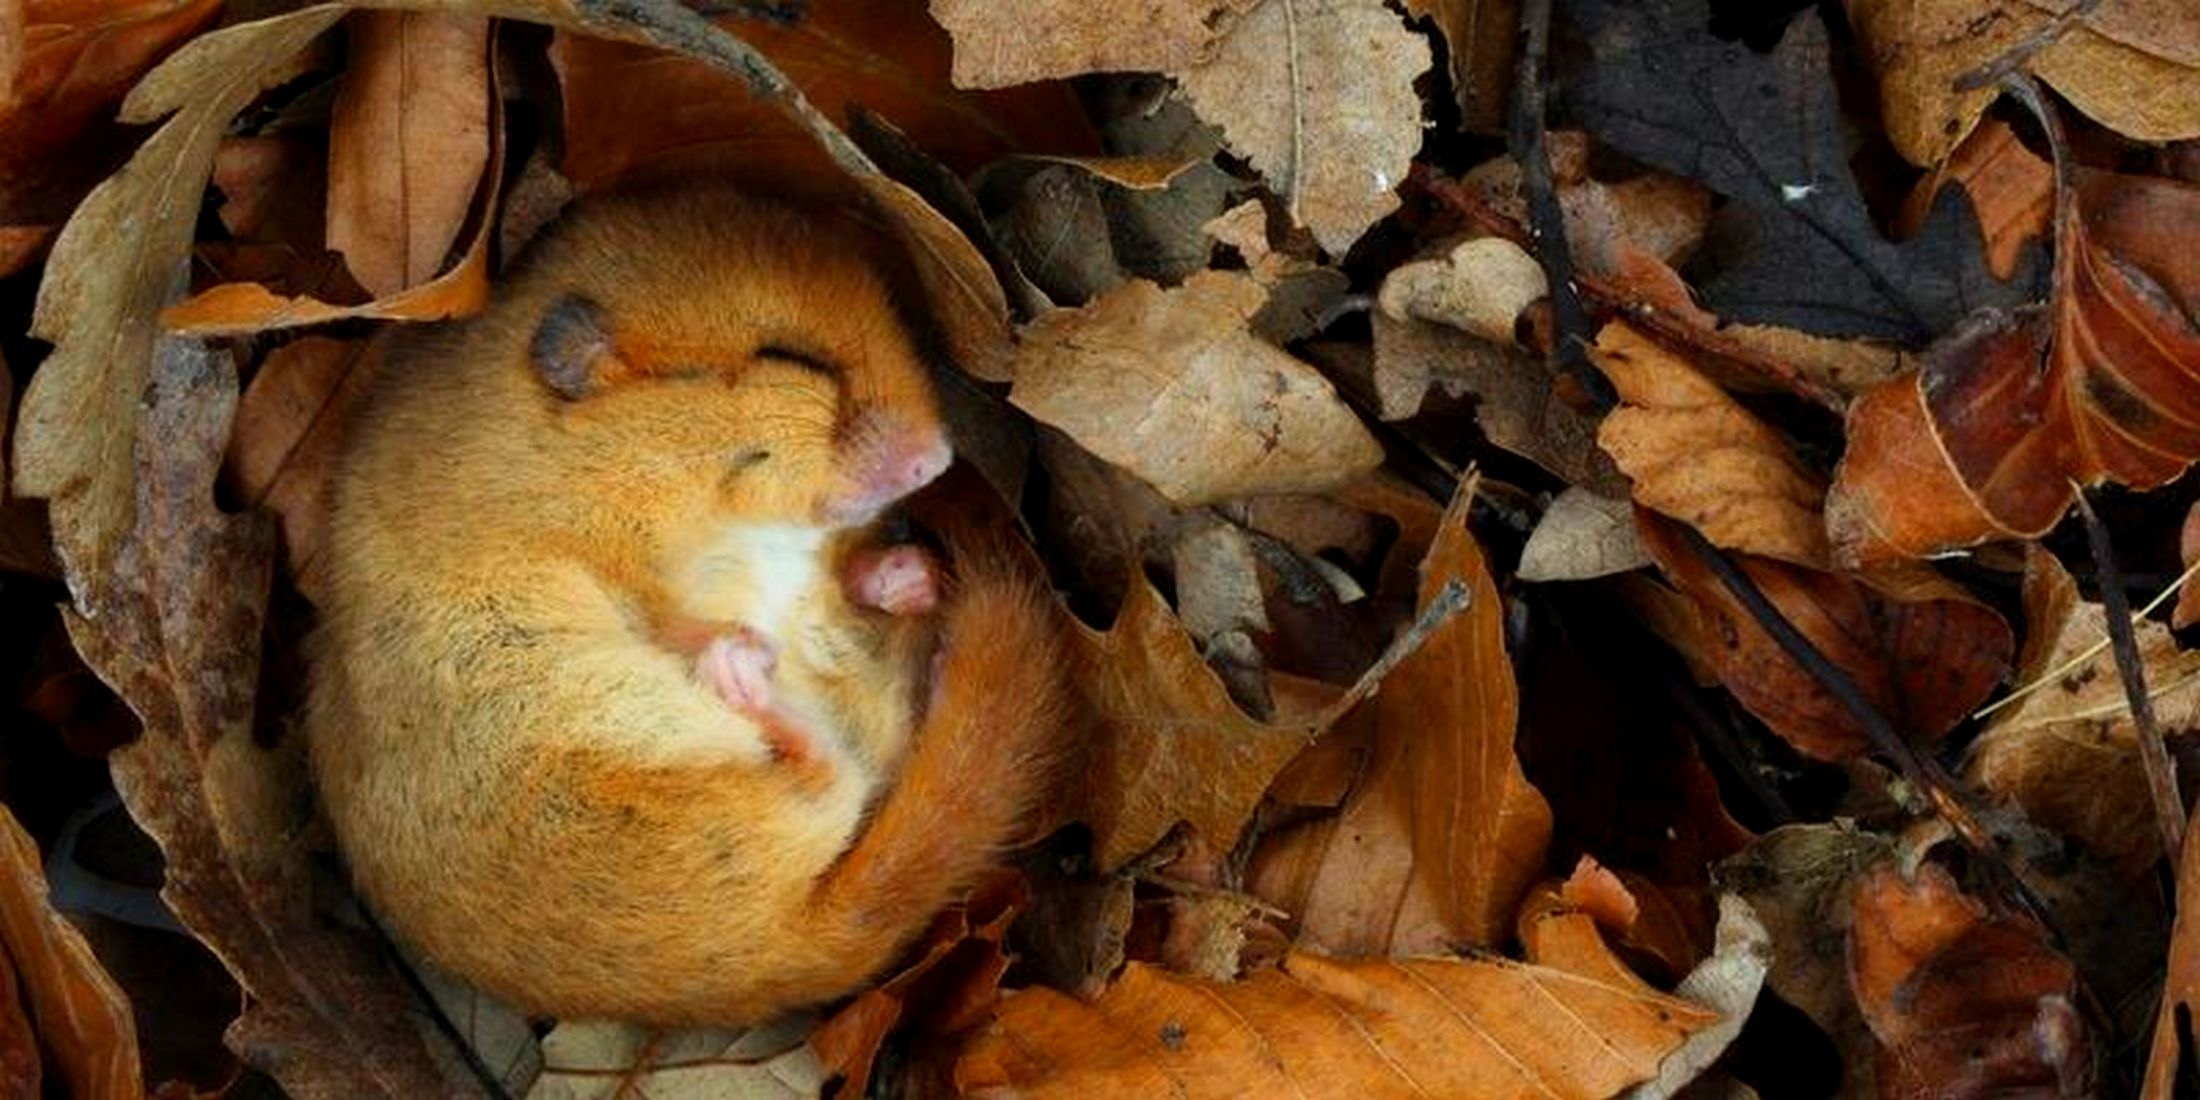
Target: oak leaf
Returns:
[[1314, 1026], [1318, 95]]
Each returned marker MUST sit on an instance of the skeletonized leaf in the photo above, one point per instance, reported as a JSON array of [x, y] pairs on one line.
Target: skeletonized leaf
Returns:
[[1170, 385], [1315, 1026], [1318, 95]]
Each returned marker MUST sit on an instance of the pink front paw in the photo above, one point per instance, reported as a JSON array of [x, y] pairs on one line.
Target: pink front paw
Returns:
[[738, 665], [899, 580]]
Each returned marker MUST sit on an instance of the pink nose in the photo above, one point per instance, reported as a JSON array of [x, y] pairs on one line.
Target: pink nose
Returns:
[[889, 466]]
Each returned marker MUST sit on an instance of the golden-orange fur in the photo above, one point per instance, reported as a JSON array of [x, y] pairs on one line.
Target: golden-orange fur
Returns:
[[527, 778]]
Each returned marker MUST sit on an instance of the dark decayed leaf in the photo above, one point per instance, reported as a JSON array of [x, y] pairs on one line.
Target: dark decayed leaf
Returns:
[[1766, 131]]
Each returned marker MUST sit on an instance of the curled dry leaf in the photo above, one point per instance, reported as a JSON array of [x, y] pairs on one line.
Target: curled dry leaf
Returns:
[[1318, 95], [1989, 437], [1480, 286], [1698, 456], [1728, 981], [1314, 1026], [83, 1018], [1920, 648], [1580, 537], [2066, 753], [1001, 43], [2129, 64], [1964, 1004], [1441, 832], [1170, 385], [112, 268], [408, 142], [1482, 39], [178, 637], [1170, 745]]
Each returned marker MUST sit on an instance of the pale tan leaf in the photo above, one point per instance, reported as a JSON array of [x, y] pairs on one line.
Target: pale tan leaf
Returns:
[[1483, 1027], [1003, 42], [1318, 95], [1170, 385], [1479, 286], [2067, 752], [1698, 456], [408, 141], [116, 262], [1582, 536], [2130, 64], [604, 1060]]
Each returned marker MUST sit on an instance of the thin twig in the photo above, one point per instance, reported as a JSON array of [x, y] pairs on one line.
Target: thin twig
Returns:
[[2161, 771], [1546, 219], [1922, 772], [1448, 601], [2007, 62]]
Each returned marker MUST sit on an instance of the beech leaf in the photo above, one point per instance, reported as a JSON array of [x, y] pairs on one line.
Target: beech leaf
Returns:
[[1315, 1026]]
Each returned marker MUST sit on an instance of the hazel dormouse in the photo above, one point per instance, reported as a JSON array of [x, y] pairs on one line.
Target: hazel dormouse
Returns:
[[620, 704]]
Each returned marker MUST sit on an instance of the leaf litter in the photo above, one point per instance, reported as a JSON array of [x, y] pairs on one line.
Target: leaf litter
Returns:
[[1240, 309]]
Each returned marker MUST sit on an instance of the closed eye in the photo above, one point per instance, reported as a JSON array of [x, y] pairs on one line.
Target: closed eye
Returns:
[[799, 358]]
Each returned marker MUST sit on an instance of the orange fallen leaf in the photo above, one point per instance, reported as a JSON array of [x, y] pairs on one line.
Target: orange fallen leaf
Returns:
[[1312, 1026], [1922, 650], [1441, 833], [1697, 455], [1964, 1004], [83, 1018], [1988, 439], [2179, 1017]]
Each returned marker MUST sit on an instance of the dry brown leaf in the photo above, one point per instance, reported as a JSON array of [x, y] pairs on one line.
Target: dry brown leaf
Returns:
[[178, 636], [1171, 746], [607, 1060], [273, 188], [1318, 96], [2128, 63], [64, 64], [1800, 880], [1920, 648], [1170, 385], [1728, 981], [1964, 1004], [2187, 610], [233, 309], [1479, 286], [287, 436], [2067, 753], [2179, 1017], [113, 267], [1516, 403], [1653, 216], [83, 1018], [1441, 833], [409, 139], [1317, 1027], [1698, 456], [1483, 37], [998, 44], [1582, 536]]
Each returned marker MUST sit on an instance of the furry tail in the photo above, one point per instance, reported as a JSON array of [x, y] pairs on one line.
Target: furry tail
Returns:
[[988, 749]]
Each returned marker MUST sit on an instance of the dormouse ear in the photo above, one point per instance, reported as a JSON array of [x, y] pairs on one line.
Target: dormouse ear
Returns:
[[572, 350]]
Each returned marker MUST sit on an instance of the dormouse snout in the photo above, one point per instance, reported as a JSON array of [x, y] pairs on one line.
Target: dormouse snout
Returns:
[[887, 461]]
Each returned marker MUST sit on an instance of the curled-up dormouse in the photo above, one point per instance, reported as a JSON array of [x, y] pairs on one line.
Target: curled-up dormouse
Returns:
[[621, 704]]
